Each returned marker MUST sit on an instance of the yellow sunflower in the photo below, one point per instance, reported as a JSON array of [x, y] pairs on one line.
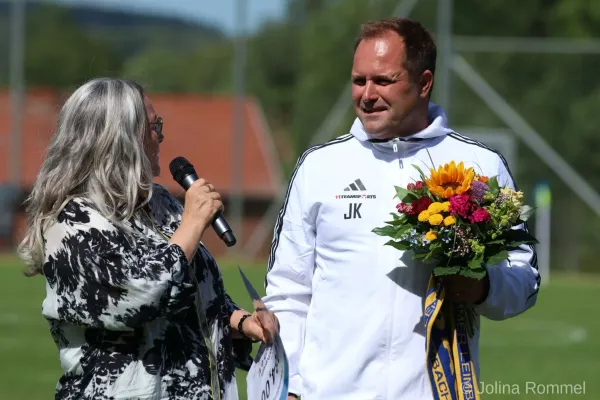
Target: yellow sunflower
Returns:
[[450, 180]]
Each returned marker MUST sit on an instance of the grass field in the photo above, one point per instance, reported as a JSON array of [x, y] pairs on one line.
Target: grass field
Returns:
[[556, 343]]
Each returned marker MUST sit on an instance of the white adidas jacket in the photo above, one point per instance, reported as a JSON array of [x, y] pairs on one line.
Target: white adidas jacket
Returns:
[[350, 308]]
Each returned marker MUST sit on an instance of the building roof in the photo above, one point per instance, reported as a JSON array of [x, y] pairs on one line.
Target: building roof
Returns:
[[196, 127]]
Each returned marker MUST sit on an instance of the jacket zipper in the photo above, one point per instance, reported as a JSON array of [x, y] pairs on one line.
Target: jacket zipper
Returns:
[[395, 142], [391, 356]]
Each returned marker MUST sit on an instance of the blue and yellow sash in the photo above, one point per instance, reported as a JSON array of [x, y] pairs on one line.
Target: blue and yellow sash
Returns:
[[451, 370]]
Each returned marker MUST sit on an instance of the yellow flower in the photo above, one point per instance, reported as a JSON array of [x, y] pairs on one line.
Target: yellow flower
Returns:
[[431, 235], [436, 219], [449, 220], [435, 208], [450, 180], [424, 216], [446, 206]]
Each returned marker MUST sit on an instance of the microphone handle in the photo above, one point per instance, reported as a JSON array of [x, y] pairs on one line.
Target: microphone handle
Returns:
[[188, 180], [219, 224]]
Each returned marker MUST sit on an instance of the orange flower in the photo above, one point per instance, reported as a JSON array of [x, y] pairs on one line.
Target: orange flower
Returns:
[[450, 180], [481, 178]]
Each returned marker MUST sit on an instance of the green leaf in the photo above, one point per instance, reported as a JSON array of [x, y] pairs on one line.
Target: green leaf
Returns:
[[444, 271], [526, 212], [398, 245], [474, 273], [401, 192], [385, 231], [423, 176], [475, 263], [500, 241], [399, 219], [431, 253], [497, 258], [493, 185], [401, 231], [420, 256], [396, 222], [409, 198]]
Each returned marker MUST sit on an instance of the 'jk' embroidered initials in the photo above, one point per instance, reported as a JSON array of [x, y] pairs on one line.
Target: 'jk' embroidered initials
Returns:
[[353, 211]]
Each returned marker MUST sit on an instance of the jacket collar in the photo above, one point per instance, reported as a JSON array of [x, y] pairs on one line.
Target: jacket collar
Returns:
[[438, 128]]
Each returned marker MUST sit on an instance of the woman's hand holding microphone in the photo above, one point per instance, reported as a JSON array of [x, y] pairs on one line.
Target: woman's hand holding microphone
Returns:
[[202, 203]]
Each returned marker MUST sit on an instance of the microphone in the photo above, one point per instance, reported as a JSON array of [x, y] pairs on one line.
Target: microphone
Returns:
[[184, 173]]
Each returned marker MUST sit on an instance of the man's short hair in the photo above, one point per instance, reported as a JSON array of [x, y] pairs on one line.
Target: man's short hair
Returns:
[[421, 50]]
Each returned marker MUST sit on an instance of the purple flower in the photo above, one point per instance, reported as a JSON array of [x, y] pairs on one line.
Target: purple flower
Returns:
[[478, 190]]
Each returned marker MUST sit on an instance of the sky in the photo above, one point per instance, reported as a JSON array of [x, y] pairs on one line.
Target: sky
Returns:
[[217, 12]]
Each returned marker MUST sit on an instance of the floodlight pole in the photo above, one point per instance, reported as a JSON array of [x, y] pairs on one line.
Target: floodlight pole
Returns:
[[236, 211], [17, 88]]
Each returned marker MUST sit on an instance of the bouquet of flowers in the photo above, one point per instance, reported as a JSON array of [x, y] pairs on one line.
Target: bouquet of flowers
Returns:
[[458, 220]]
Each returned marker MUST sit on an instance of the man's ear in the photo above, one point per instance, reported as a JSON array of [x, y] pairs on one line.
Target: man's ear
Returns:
[[425, 84]]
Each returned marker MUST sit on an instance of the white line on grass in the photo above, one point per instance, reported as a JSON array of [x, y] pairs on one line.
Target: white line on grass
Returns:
[[533, 333]]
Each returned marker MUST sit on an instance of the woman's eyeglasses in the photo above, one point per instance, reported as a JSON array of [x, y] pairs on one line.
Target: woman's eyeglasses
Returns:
[[157, 126]]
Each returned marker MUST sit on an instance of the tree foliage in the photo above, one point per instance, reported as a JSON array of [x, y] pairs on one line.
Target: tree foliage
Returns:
[[59, 54], [297, 68]]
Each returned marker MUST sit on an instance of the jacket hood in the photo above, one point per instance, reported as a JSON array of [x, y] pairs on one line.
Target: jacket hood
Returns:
[[438, 128]]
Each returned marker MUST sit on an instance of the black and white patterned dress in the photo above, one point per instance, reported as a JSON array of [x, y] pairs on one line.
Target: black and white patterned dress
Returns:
[[131, 319]]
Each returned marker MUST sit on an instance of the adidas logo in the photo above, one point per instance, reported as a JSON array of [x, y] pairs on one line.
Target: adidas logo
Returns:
[[355, 186]]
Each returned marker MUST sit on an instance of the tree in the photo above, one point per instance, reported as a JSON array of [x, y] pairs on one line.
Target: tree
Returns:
[[326, 61], [59, 54]]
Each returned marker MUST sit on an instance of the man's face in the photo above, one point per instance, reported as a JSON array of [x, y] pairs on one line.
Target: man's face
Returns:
[[384, 94]]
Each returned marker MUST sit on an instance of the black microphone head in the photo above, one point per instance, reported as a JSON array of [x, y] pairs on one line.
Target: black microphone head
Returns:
[[180, 168]]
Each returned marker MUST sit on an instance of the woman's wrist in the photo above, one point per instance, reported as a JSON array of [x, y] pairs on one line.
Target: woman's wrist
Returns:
[[237, 322], [235, 318], [193, 228], [187, 236]]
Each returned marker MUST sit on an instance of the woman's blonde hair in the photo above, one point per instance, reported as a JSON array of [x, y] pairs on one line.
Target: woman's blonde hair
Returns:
[[97, 153]]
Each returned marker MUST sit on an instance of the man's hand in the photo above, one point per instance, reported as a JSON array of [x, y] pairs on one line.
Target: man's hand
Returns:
[[263, 325], [460, 289]]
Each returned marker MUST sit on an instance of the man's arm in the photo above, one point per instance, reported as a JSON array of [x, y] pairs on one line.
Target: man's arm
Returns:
[[514, 284], [289, 276]]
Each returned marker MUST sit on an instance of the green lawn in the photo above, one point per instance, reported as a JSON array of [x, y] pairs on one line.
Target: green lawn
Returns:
[[557, 342]]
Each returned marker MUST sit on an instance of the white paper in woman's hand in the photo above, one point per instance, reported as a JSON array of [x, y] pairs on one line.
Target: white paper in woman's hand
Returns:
[[268, 376]]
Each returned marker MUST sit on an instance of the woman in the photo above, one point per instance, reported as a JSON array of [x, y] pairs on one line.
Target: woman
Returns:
[[135, 304]]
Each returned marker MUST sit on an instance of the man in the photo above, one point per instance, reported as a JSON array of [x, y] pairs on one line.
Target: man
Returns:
[[351, 309]]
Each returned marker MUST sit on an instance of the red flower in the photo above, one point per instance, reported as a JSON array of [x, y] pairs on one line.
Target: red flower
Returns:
[[421, 204], [480, 215], [411, 186], [419, 185], [404, 208], [462, 205]]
